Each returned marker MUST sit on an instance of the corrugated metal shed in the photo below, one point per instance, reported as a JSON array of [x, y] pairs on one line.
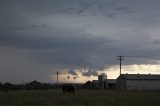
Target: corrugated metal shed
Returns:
[[138, 82]]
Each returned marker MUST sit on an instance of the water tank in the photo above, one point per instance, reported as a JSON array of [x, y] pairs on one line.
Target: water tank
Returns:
[[102, 77]]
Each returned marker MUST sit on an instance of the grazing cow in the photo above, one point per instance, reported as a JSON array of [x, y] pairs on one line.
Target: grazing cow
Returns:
[[69, 88]]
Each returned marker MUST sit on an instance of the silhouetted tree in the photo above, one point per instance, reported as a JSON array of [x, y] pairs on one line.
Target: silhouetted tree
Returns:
[[88, 84]]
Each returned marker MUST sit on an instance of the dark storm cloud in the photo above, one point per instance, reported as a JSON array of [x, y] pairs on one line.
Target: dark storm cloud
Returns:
[[109, 8], [69, 50], [78, 33], [68, 46], [66, 39]]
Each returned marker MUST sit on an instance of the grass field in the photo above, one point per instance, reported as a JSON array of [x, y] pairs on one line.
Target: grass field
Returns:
[[82, 98]]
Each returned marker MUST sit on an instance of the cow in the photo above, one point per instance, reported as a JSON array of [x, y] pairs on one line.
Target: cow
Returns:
[[69, 88]]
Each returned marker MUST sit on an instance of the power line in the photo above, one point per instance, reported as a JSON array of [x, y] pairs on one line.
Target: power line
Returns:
[[152, 56]]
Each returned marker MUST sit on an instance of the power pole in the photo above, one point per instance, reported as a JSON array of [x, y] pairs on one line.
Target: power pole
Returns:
[[120, 58], [57, 76]]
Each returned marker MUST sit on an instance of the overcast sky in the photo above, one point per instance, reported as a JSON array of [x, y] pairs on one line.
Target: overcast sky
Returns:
[[40, 37]]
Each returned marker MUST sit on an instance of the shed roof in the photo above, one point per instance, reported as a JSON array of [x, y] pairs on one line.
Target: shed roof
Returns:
[[140, 76]]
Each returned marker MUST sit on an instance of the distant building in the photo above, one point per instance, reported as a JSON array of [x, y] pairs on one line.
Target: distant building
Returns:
[[111, 83], [95, 84], [103, 82], [138, 82]]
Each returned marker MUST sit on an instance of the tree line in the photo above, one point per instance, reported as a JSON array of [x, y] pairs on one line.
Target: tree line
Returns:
[[33, 85], [36, 85]]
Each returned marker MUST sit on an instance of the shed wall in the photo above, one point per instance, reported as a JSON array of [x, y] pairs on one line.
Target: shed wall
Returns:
[[143, 85]]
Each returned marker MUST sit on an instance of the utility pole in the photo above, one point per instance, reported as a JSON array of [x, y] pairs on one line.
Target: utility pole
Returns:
[[57, 76], [120, 58]]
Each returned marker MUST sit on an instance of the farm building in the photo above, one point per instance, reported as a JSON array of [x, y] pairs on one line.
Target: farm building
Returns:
[[103, 82], [138, 82], [111, 83]]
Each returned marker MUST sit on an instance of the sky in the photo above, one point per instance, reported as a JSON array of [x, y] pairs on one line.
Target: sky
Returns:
[[78, 38]]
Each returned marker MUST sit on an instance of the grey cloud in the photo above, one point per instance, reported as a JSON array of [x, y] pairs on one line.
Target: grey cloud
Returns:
[[89, 8], [71, 7], [40, 29], [156, 41], [67, 39], [81, 50], [72, 72], [87, 72], [17, 67], [90, 72]]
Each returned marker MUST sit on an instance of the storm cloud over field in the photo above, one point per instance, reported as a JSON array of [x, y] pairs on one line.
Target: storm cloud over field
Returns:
[[40, 37]]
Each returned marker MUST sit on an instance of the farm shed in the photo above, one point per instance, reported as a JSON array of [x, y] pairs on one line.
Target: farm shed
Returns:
[[138, 82]]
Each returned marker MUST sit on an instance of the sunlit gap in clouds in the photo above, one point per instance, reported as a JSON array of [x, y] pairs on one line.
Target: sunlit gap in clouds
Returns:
[[75, 76], [112, 72]]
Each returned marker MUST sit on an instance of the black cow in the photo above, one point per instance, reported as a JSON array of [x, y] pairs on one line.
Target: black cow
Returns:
[[69, 88]]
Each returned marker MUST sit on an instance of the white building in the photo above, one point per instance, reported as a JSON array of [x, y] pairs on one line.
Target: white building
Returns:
[[138, 82]]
